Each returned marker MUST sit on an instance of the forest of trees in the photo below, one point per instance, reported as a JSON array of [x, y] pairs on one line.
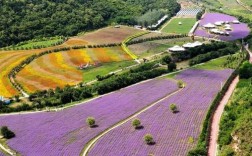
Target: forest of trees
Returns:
[[28, 19]]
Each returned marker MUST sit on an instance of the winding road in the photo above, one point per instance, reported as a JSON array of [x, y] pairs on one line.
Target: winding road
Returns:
[[212, 150], [213, 144]]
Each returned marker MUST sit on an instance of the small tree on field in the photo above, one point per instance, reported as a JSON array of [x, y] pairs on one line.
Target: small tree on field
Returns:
[[90, 121], [136, 123], [181, 84], [148, 139], [8, 134], [173, 108]]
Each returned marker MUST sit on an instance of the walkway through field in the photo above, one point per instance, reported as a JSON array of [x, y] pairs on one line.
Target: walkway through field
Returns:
[[92, 142], [212, 151]]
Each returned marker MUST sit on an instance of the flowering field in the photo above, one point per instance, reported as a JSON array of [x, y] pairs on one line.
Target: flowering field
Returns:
[[66, 133], [103, 36], [174, 134], [8, 60], [238, 30], [60, 69]]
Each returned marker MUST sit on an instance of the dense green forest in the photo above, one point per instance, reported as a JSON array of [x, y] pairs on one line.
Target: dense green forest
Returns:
[[27, 19]]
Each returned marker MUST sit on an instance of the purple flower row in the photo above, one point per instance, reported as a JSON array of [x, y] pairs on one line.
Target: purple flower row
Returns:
[[171, 132], [66, 133]]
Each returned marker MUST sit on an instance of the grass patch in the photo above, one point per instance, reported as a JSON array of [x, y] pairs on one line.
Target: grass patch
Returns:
[[37, 43], [215, 64], [106, 68], [228, 61], [174, 27]]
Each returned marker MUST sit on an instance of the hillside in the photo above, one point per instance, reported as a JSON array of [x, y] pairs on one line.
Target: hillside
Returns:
[[28, 19]]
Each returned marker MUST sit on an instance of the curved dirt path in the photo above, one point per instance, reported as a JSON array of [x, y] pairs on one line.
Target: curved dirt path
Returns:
[[212, 150], [92, 142]]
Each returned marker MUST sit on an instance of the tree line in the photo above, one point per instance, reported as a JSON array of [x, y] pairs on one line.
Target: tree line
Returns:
[[29, 19], [203, 49]]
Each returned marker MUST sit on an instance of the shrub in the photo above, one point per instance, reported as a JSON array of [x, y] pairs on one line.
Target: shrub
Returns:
[[148, 139], [8, 134], [172, 66], [173, 108], [245, 70], [167, 59], [136, 123], [181, 84], [90, 121]]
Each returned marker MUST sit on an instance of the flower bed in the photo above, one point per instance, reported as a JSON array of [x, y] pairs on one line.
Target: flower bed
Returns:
[[174, 134], [66, 133], [238, 31]]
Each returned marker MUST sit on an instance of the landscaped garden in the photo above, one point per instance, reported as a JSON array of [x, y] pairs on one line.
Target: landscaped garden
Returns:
[[238, 30]]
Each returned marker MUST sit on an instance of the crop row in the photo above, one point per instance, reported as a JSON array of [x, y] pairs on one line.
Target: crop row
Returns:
[[173, 133], [66, 133]]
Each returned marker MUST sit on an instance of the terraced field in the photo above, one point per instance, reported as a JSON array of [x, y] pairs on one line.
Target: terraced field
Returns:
[[104, 36], [8, 60], [62, 68]]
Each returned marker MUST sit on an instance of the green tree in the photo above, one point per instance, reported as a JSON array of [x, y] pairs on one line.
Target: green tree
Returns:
[[173, 108], [136, 123], [148, 139], [8, 134], [172, 66], [167, 59], [90, 121]]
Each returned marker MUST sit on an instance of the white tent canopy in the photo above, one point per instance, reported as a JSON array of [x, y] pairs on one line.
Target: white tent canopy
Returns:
[[219, 23], [192, 45], [236, 22], [209, 25], [176, 48]]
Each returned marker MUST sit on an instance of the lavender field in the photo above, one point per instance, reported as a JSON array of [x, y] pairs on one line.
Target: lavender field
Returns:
[[66, 133], [171, 132], [238, 30]]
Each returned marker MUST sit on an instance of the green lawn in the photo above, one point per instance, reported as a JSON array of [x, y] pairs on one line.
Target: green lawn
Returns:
[[40, 43], [174, 27], [106, 68], [33, 44]]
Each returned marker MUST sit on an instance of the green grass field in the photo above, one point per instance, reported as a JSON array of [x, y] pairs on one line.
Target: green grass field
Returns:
[[146, 49], [247, 2], [106, 68], [40, 43], [32, 44], [174, 27]]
